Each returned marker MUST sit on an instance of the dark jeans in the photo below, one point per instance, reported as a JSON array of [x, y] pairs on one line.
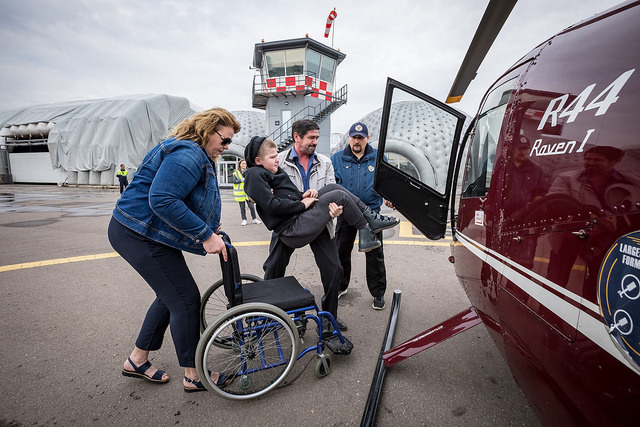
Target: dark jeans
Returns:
[[123, 185], [326, 255], [177, 302], [376, 271], [243, 212]]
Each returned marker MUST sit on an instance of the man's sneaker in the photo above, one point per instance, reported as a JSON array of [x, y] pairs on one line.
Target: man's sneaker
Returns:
[[341, 293], [379, 222], [378, 303], [244, 222], [256, 221]]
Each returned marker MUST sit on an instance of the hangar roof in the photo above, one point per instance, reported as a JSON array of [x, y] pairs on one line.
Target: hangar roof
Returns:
[[97, 134]]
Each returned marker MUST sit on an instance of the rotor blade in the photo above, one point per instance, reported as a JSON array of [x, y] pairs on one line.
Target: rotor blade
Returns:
[[492, 21]]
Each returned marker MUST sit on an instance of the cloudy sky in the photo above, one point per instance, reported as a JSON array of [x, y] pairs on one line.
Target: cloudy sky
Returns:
[[53, 51]]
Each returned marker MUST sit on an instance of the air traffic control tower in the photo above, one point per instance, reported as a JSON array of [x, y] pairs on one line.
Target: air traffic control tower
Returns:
[[295, 79]]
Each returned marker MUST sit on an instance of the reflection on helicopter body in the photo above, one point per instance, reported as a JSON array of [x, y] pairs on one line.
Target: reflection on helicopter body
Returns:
[[602, 193]]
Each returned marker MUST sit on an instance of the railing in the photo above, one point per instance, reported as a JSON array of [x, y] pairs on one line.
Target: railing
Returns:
[[261, 88]]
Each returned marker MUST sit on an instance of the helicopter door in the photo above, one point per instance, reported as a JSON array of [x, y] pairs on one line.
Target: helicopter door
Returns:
[[419, 139]]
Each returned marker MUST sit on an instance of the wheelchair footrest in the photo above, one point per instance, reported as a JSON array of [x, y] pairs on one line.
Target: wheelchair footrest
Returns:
[[338, 347]]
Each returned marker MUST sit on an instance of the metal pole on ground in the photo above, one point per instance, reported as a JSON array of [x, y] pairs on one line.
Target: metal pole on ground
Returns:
[[371, 407]]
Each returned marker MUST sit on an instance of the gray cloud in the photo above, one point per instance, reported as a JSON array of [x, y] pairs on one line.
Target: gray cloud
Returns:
[[60, 51]]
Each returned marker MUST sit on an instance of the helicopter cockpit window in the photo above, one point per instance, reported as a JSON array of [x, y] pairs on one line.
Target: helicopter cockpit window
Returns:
[[485, 139]]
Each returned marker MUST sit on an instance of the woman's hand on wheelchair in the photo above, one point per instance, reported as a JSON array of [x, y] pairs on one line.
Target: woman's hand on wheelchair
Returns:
[[215, 245]]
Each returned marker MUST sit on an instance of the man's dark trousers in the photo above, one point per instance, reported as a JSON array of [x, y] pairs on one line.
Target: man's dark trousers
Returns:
[[376, 272]]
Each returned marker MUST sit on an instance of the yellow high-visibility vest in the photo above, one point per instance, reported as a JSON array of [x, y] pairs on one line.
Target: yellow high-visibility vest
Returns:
[[238, 189]]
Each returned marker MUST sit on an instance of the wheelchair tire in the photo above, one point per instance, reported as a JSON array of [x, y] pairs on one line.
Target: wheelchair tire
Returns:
[[323, 365], [263, 349], [214, 300]]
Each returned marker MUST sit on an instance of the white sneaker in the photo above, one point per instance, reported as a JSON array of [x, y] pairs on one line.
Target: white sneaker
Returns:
[[244, 222], [256, 221]]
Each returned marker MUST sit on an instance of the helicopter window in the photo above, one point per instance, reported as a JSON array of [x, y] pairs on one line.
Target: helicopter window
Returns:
[[485, 139]]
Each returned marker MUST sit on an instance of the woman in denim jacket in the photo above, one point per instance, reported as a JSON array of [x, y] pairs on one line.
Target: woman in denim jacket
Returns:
[[173, 205]]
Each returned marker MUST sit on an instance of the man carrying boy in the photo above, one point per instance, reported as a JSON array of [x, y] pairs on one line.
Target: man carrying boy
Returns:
[[308, 170]]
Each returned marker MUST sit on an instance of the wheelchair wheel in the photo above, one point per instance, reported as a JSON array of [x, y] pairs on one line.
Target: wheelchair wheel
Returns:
[[323, 365], [262, 348], [214, 300]]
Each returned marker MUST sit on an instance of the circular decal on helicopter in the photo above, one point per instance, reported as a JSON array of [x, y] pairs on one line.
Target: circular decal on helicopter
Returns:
[[619, 293]]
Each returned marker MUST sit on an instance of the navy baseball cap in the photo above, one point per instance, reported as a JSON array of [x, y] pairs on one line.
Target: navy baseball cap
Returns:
[[359, 128]]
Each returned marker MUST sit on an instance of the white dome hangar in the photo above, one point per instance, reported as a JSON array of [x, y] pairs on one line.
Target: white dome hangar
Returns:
[[84, 142], [418, 139]]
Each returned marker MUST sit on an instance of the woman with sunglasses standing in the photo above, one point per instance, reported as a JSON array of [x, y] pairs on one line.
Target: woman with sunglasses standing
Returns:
[[172, 205]]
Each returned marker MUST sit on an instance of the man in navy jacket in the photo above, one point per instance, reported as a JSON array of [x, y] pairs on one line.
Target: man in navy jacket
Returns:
[[354, 168]]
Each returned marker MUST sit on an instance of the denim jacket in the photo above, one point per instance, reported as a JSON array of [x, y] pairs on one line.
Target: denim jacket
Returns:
[[174, 197]]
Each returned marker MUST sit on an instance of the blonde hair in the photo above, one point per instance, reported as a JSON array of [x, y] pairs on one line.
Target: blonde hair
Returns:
[[200, 126], [266, 144]]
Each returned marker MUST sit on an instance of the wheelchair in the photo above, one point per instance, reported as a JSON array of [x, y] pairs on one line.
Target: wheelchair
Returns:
[[254, 331]]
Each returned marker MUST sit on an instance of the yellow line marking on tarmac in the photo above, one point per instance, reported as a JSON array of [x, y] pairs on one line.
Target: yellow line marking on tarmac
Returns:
[[258, 243], [56, 261], [406, 230]]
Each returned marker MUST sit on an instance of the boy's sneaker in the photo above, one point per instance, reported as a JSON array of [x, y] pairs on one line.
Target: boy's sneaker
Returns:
[[256, 221], [378, 303], [244, 222], [341, 293]]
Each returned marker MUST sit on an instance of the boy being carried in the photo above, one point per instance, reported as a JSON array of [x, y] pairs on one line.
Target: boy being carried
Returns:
[[298, 218]]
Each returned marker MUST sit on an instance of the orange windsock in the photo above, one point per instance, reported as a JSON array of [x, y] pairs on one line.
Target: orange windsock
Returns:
[[332, 15]]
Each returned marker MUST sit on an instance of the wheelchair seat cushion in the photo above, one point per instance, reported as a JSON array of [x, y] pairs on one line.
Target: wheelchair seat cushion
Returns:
[[285, 293]]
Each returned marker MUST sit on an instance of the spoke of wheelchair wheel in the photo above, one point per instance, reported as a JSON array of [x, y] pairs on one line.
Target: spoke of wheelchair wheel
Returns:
[[244, 358], [216, 304]]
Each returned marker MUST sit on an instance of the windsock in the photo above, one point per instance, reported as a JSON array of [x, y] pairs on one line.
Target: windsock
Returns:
[[332, 15]]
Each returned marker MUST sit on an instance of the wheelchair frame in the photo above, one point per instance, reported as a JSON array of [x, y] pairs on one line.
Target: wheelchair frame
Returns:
[[256, 341]]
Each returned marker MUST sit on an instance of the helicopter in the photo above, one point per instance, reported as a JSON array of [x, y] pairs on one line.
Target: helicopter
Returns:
[[542, 194]]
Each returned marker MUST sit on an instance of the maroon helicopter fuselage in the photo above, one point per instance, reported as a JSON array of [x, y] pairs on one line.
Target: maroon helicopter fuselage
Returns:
[[548, 223]]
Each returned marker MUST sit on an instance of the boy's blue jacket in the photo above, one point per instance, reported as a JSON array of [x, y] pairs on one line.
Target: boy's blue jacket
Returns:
[[174, 197], [357, 176]]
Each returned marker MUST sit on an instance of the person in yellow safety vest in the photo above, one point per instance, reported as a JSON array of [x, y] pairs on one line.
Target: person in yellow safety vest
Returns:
[[241, 196], [122, 177]]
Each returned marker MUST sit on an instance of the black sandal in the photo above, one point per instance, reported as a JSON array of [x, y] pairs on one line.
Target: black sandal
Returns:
[[140, 372], [223, 381], [198, 384]]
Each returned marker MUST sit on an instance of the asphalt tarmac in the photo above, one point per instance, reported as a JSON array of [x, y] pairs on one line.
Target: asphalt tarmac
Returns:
[[70, 310]]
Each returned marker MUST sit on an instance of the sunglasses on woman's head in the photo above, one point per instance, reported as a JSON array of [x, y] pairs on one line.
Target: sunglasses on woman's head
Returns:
[[225, 141]]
